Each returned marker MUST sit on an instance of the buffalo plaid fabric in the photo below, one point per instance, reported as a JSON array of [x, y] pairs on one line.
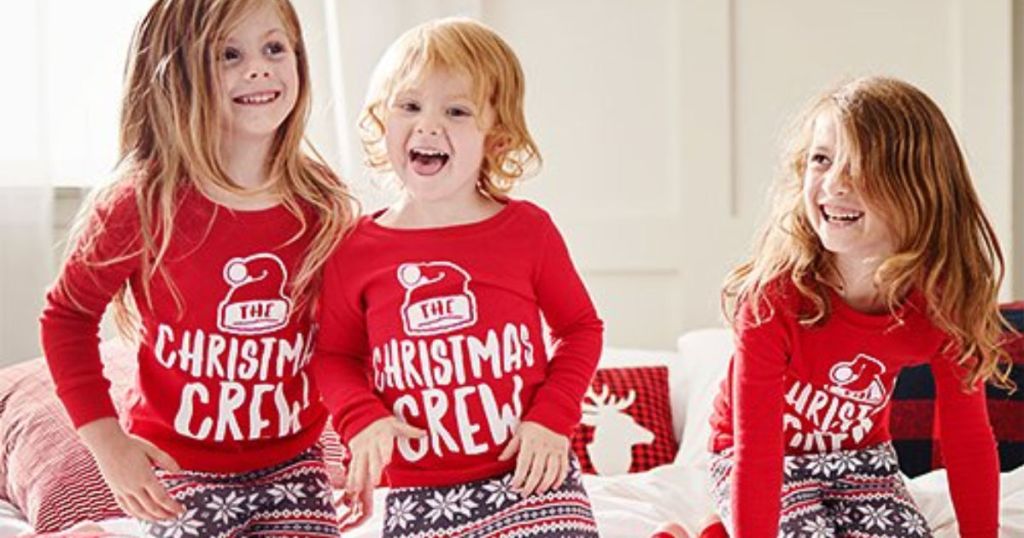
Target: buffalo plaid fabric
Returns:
[[627, 422], [913, 414]]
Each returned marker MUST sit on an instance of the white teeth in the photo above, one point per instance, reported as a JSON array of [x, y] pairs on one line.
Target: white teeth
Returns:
[[843, 216], [429, 153], [257, 99]]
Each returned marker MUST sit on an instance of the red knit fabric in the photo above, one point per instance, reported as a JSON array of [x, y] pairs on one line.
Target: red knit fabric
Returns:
[[442, 327], [794, 389], [222, 383]]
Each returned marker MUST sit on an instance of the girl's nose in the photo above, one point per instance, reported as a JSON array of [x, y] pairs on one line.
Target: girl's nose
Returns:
[[431, 130], [837, 183], [258, 73]]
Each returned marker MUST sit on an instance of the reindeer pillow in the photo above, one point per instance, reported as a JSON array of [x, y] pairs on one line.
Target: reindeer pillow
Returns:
[[627, 422]]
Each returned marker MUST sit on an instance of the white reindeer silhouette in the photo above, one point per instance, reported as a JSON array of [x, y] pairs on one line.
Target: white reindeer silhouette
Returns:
[[615, 432]]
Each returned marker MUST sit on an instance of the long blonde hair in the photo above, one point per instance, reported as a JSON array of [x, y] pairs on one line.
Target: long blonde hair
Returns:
[[905, 161], [168, 132], [470, 48]]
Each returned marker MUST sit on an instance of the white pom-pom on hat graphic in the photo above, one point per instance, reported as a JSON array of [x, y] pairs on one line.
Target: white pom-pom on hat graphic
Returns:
[[256, 302], [437, 298]]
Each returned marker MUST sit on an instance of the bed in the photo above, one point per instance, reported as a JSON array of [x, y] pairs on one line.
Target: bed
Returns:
[[630, 499]]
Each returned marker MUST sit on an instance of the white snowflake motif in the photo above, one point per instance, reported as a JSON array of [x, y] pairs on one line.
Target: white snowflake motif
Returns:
[[791, 466], [882, 459], [227, 508], [875, 516], [819, 528], [819, 466], [454, 502], [292, 491], [401, 513], [843, 462], [500, 491], [186, 524], [914, 524]]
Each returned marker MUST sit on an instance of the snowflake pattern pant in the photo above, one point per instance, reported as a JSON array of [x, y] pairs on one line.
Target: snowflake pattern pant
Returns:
[[490, 509], [290, 499], [848, 493]]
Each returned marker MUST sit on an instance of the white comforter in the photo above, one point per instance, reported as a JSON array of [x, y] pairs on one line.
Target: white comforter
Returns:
[[631, 506]]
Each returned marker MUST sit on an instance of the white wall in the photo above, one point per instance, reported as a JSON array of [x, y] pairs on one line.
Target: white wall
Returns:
[[658, 120]]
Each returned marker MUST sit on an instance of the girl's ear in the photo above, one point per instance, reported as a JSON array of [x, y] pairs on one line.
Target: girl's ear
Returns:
[[497, 141]]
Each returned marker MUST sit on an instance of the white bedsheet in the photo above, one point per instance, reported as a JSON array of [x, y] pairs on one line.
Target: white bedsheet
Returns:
[[630, 506]]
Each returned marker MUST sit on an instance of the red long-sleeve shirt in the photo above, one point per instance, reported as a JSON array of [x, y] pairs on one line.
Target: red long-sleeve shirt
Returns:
[[795, 390], [442, 328], [222, 383]]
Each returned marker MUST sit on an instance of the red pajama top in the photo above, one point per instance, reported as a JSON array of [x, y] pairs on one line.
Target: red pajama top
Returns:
[[222, 379], [796, 390], [442, 328]]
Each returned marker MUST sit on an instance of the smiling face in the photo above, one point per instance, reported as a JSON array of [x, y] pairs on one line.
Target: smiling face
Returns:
[[259, 81], [435, 135], [846, 224]]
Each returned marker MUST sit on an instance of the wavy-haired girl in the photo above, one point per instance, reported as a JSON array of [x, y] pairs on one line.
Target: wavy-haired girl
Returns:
[[209, 243], [877, 256], [466, 411]]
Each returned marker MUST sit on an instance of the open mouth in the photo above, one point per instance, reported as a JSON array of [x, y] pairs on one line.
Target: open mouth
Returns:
[[260, 98], [840, 215], [427, 162]]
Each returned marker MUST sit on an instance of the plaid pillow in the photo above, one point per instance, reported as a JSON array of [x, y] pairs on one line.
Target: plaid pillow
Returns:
[[627, 422], [912, 422]]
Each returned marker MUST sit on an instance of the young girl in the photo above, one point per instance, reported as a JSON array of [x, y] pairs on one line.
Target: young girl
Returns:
[[431, 336], [878, 256], [216, 230]]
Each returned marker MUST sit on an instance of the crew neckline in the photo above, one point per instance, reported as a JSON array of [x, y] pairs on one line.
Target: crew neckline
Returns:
[[508, 209]]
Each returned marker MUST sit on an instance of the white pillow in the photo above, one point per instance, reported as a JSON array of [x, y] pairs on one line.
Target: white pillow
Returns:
[[628, 358], [705, 363]]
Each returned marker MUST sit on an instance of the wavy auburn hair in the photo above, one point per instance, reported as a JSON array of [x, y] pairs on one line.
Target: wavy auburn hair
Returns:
[[906, 163], [470, 48], [170, 125]]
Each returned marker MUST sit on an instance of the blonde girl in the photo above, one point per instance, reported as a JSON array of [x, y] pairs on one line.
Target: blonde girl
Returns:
[[209, 244], [877, 256]]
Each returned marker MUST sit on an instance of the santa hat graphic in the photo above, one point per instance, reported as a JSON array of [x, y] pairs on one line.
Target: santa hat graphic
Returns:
[[437, 298], [860, 380], [256, 302]]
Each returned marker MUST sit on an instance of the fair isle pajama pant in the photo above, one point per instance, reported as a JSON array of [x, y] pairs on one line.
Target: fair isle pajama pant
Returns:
[[848, 493], [490, 509], [290, 499]]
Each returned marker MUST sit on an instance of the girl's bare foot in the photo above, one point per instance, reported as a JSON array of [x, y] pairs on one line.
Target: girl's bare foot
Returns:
[[671, 530]]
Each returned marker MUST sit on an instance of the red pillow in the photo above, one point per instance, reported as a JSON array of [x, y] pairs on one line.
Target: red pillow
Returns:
[[45, 471], [627, 422]]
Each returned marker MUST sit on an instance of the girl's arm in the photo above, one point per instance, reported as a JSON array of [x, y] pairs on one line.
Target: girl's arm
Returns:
[[341, 362], [968, 451], [758, 379], [95, 270], [576, 334]]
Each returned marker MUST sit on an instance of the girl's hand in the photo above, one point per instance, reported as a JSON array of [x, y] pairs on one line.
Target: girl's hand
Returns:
[[359, 508], [371, 451], [543, 461], [125, 461]]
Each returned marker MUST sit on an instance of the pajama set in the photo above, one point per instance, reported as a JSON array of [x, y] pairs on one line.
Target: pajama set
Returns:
[[223, 385], [805, 410], [442, 328]]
